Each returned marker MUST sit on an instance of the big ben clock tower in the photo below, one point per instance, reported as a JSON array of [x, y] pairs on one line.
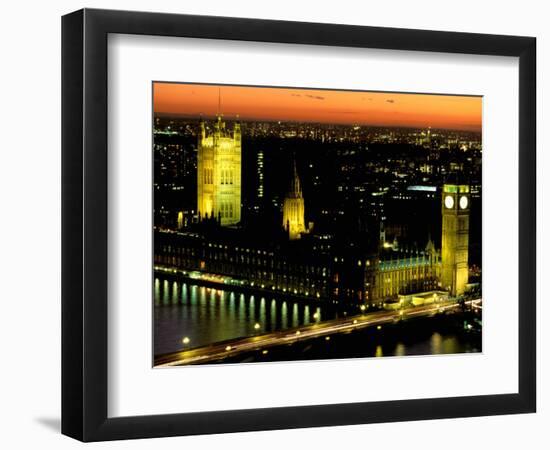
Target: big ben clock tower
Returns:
[[455, 208]]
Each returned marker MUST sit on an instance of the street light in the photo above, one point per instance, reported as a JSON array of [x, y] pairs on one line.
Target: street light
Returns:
[[257, 326], [185, 340]]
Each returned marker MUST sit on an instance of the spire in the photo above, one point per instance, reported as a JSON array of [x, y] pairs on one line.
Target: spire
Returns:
[[220, 125], [295, 189], [430, 245]]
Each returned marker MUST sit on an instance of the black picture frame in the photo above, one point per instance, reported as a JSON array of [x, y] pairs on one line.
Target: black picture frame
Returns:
[[84, 224]]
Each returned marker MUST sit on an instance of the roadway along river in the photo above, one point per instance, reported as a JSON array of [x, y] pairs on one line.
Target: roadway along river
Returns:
[[189, 316]]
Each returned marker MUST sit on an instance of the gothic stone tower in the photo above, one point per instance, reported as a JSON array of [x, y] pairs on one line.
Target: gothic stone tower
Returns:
[[455, 209], [219, 173], [293, 208]]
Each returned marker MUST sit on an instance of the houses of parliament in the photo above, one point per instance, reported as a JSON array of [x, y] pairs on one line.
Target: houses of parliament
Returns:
[[297, 262]]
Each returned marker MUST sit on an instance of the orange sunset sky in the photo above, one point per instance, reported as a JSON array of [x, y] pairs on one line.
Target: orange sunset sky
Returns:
[[325, 106]]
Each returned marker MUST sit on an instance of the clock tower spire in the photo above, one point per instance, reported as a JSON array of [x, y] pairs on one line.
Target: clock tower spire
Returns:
[[455, 209]]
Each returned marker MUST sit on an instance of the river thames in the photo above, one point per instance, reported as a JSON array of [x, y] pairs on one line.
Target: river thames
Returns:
[[190, 316]]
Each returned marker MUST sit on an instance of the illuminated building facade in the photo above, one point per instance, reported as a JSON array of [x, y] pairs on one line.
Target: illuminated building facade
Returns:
[[293, 208], [407, 273], [455, 208], [219, 173], [296, 269], [336, 272], [279, 266]]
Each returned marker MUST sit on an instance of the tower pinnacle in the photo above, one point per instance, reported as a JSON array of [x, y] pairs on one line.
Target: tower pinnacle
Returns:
[[293, 207], [295, 188]]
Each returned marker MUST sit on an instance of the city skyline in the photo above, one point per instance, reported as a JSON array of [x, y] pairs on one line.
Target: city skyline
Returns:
[[366, 108], [279, 239]]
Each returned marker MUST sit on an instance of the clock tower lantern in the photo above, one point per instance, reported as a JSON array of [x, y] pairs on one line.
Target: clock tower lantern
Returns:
[[455, 209]]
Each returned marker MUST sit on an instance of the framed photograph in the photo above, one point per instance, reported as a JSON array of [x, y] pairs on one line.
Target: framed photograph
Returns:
[[273, 224]]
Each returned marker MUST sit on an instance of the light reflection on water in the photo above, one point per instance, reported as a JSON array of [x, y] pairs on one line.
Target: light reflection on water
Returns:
[[400, 349], [207, 315]]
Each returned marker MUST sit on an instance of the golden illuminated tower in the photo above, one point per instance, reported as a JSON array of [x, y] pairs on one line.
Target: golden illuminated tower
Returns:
[[455, 209], [219, 173], [293, 208]]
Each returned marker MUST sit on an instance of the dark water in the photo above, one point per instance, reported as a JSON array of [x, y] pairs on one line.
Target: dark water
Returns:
[[423, 336], [207, 315]]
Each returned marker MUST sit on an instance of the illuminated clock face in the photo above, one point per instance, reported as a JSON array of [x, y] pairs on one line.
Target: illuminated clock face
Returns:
[[449, 201], [463, 202]]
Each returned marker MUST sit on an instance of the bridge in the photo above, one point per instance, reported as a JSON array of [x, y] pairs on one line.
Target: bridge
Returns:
[[221, 350]]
